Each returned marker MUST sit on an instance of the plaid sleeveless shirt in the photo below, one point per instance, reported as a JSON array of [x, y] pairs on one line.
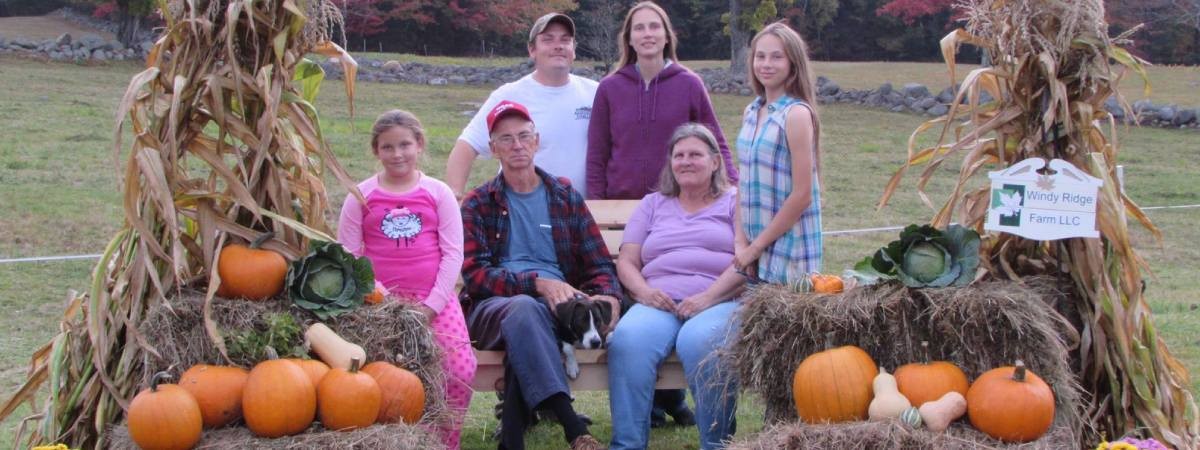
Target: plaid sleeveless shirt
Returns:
[[765, 166]]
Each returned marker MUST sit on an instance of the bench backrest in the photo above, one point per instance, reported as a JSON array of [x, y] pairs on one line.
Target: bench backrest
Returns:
[[611, 216]]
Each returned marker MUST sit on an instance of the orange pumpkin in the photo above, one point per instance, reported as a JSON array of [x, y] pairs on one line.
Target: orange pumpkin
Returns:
[[164, 417], [251, 272], [348, 399], [403, 393], [1011, 404], [279, 399], [928, 381], [315, 369], [218, 390], [826, 284], [375, 297], [834, 385]]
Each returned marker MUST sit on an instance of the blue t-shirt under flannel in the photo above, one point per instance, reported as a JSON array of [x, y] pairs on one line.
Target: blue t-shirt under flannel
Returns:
[[530, 243]]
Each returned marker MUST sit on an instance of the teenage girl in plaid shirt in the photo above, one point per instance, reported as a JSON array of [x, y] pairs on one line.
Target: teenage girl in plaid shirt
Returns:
[[779, 234]]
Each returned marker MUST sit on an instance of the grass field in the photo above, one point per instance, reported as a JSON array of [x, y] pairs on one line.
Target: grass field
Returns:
[[59, 197], [1171, 84]]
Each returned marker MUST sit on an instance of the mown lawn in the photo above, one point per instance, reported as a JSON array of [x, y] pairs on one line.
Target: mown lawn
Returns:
[[1171, 84], [60, 197]]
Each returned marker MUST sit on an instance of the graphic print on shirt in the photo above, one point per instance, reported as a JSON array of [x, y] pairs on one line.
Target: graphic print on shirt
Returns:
[[400, 223], [583, 113]]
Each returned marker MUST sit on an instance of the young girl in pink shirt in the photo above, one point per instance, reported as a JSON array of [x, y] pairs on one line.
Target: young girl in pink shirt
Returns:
[[411, 229]]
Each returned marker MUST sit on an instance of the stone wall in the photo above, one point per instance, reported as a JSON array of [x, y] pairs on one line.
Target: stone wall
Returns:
[[912, 98], [88, 47]]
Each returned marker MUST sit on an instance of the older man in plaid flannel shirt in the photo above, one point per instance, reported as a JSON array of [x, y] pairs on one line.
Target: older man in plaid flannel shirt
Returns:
[[530, 243]]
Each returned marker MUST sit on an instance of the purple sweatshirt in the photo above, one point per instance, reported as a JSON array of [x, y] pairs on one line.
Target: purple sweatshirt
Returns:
[[631, 124]]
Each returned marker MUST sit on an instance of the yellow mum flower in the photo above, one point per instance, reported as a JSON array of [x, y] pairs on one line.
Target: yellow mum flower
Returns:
[[52, 447]]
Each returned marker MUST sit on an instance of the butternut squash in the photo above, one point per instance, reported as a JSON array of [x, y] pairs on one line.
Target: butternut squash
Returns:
[[888, 402], [939, 413], [331, 348]]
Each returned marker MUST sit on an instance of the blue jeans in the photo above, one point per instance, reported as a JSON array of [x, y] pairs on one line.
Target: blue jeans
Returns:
[[645, 337]]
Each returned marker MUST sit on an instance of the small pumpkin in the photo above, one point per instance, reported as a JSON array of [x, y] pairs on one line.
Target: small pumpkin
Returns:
[[279, 399], [348, 399], [834, 385], [251, 272], [164, 417], [939, 413], [375, 297], [332, 349], [218, 391], [403, 393], [888, 402], [1011, 404], [826, 284], [927, 380], [314, 368], [911, 417]]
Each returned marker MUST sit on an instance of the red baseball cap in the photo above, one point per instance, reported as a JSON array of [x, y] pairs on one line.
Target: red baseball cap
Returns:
[[504, 109]]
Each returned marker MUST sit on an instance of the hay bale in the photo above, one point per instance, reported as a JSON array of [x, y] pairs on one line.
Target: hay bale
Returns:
[[175, 331], [979, 327], [397, 436], [884, 435]]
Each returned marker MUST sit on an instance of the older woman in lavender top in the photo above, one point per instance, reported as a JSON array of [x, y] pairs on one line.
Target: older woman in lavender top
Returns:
[[676, 262]]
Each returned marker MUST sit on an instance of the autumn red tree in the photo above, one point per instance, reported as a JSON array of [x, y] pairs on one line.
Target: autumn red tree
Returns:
[[453, 24], [1170, 29], [365, 18], [911, 10]]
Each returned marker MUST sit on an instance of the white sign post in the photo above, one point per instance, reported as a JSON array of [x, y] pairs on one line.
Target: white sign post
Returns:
[[1057, 204]]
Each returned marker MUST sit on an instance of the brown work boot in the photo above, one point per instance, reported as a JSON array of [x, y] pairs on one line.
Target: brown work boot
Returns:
[[586, 442]]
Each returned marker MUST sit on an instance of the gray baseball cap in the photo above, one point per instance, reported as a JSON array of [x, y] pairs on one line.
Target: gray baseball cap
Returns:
[[540, 25]]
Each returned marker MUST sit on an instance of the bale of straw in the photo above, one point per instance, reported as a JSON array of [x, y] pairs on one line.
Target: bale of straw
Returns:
[[395, 332], [391, 436], [979, 327], [887, 435]]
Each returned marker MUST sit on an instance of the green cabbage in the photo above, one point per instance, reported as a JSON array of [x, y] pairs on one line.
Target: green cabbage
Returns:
[[329, 281], [925, 257]]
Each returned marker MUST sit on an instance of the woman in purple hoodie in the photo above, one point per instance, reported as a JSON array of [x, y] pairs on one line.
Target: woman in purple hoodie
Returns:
[[639, 104]]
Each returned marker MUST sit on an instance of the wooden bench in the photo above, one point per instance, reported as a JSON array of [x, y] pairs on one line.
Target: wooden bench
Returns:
[[611, 216]]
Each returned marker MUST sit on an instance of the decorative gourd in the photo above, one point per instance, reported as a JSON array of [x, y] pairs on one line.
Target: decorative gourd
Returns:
[[375, 297], [279, 398], [939, 413], [218, 391], [332, 349], [164, 417], [827, 284], [834, 385], [251, 272], [888, 402], [927, 381], [911, 417], [348, 399], [1011, 404], [403, 393], [314, 368]]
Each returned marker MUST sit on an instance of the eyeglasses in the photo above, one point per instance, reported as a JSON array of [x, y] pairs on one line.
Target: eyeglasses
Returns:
[[508, 140]]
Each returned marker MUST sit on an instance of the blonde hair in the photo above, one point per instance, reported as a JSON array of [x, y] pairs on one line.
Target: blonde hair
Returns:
[[627, 54], [719, 182], [397, 118], [800, 82]]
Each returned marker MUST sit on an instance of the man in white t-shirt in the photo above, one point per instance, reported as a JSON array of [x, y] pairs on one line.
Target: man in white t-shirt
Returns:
[[560, 103]]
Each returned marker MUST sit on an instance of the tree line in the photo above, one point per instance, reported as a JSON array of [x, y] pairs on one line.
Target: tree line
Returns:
[[1164, 31]]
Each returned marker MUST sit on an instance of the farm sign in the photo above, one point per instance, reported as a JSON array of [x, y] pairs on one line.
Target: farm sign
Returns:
[[1056, 203]]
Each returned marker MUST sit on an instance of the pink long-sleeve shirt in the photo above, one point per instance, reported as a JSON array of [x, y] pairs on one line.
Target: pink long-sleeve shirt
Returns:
[[414, 239]]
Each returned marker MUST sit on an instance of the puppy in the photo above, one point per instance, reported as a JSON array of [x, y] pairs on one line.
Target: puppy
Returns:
[[582, 323]]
